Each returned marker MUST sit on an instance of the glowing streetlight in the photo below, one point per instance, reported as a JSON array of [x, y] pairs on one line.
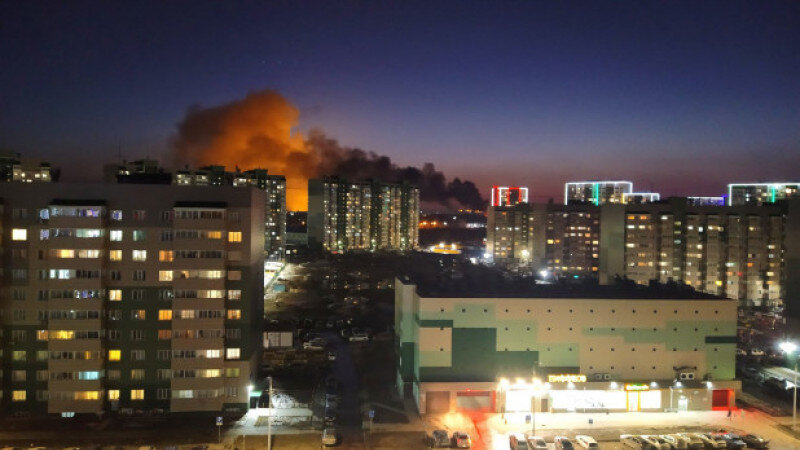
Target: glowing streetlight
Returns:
[[789, 348]]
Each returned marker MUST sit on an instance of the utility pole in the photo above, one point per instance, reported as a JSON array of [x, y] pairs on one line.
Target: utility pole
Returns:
[[269, 418]]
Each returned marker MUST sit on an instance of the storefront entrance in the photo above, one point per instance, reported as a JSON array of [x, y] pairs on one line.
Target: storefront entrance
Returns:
[[721, 399]]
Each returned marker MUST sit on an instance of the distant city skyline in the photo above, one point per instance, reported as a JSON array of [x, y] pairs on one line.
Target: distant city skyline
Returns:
[[691, 98]]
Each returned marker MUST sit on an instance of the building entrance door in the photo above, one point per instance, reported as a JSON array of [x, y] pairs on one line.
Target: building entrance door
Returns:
[[633, 401]]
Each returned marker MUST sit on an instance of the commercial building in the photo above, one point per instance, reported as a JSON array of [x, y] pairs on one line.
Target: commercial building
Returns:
[[748, 253], [344, 216], [508, 195], [146, 171], [760, 193], [128, 298], [465, 346], [15, 169]]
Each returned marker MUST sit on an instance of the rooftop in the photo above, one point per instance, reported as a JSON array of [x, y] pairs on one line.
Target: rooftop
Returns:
[[486, 287]]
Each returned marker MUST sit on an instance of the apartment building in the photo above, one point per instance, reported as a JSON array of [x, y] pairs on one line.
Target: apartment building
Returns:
[[596, 192], [745, 252], [467, 346], [146, 171], [560, 239], [737, 252], [757, 194], [344, 215], [130, 297], [509, 235], [13, 168]]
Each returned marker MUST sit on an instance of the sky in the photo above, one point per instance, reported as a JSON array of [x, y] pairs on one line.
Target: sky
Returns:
[[680, 97]]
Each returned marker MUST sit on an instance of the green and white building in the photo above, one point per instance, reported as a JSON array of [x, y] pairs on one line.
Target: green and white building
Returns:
[[557, 349]]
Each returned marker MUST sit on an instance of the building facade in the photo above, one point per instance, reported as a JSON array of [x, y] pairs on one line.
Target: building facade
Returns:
[[14, 169], [508, 195], [626, 353], [147, 171], [745, 252], [124, 298], [758, 194], [596, 192], [344, 216]]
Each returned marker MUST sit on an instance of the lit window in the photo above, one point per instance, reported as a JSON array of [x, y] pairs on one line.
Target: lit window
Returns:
[[164, 314], [137, 394], [215, 234], [115, 235], [113, 394], [87, 395], [234, 314], [21, 234], [211, 354], [115, 295], [234, 236], [232, 353], [164, 275], [166, 255], [138, 235], [116, 214], [140, 255], [19, 396], [114, 355], [235, 294], [115, 255], [138, 314]]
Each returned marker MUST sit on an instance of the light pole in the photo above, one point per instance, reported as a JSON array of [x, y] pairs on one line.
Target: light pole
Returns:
[[789, 348], [269, 418]]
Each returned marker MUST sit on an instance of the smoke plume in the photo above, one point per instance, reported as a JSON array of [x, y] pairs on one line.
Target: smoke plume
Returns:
[[258, 131]]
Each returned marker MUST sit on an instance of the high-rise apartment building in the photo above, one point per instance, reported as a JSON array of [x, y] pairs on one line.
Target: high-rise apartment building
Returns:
[[15, 169], [596, 192], [508, 195], [748, 253], [761, 193], [147, 171], [120, 297], [509, 235], [345, 215]]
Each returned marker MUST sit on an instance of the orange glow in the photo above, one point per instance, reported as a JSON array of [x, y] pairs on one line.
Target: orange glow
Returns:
[[255, 132]]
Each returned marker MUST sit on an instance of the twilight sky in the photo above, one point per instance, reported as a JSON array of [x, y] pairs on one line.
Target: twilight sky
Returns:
[[678, 97]]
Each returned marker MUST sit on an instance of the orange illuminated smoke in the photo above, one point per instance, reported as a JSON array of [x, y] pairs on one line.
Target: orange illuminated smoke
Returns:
[[257, 131]]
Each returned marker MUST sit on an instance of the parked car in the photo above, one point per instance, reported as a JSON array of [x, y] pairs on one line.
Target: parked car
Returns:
[[359, 337], [757, 352], [707, 441], [461, 440], [440, 439], [733, 440], [694, 442], [718, 441], [330, 437], [536, 443], [675, 441], [654, 443], [754, 441], [741, 352], [331, 356], [563, 443], [636, 442], [585, 441], [516, 441]]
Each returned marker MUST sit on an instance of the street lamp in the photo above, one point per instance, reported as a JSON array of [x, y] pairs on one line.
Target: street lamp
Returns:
[[789, 348], [537, 387]]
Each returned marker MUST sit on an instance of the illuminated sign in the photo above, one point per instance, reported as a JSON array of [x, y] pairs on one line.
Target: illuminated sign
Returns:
[[566, 378], [637, 387], [508, 195]]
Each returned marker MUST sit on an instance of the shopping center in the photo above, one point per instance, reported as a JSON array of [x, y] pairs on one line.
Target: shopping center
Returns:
[[564, 349]]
